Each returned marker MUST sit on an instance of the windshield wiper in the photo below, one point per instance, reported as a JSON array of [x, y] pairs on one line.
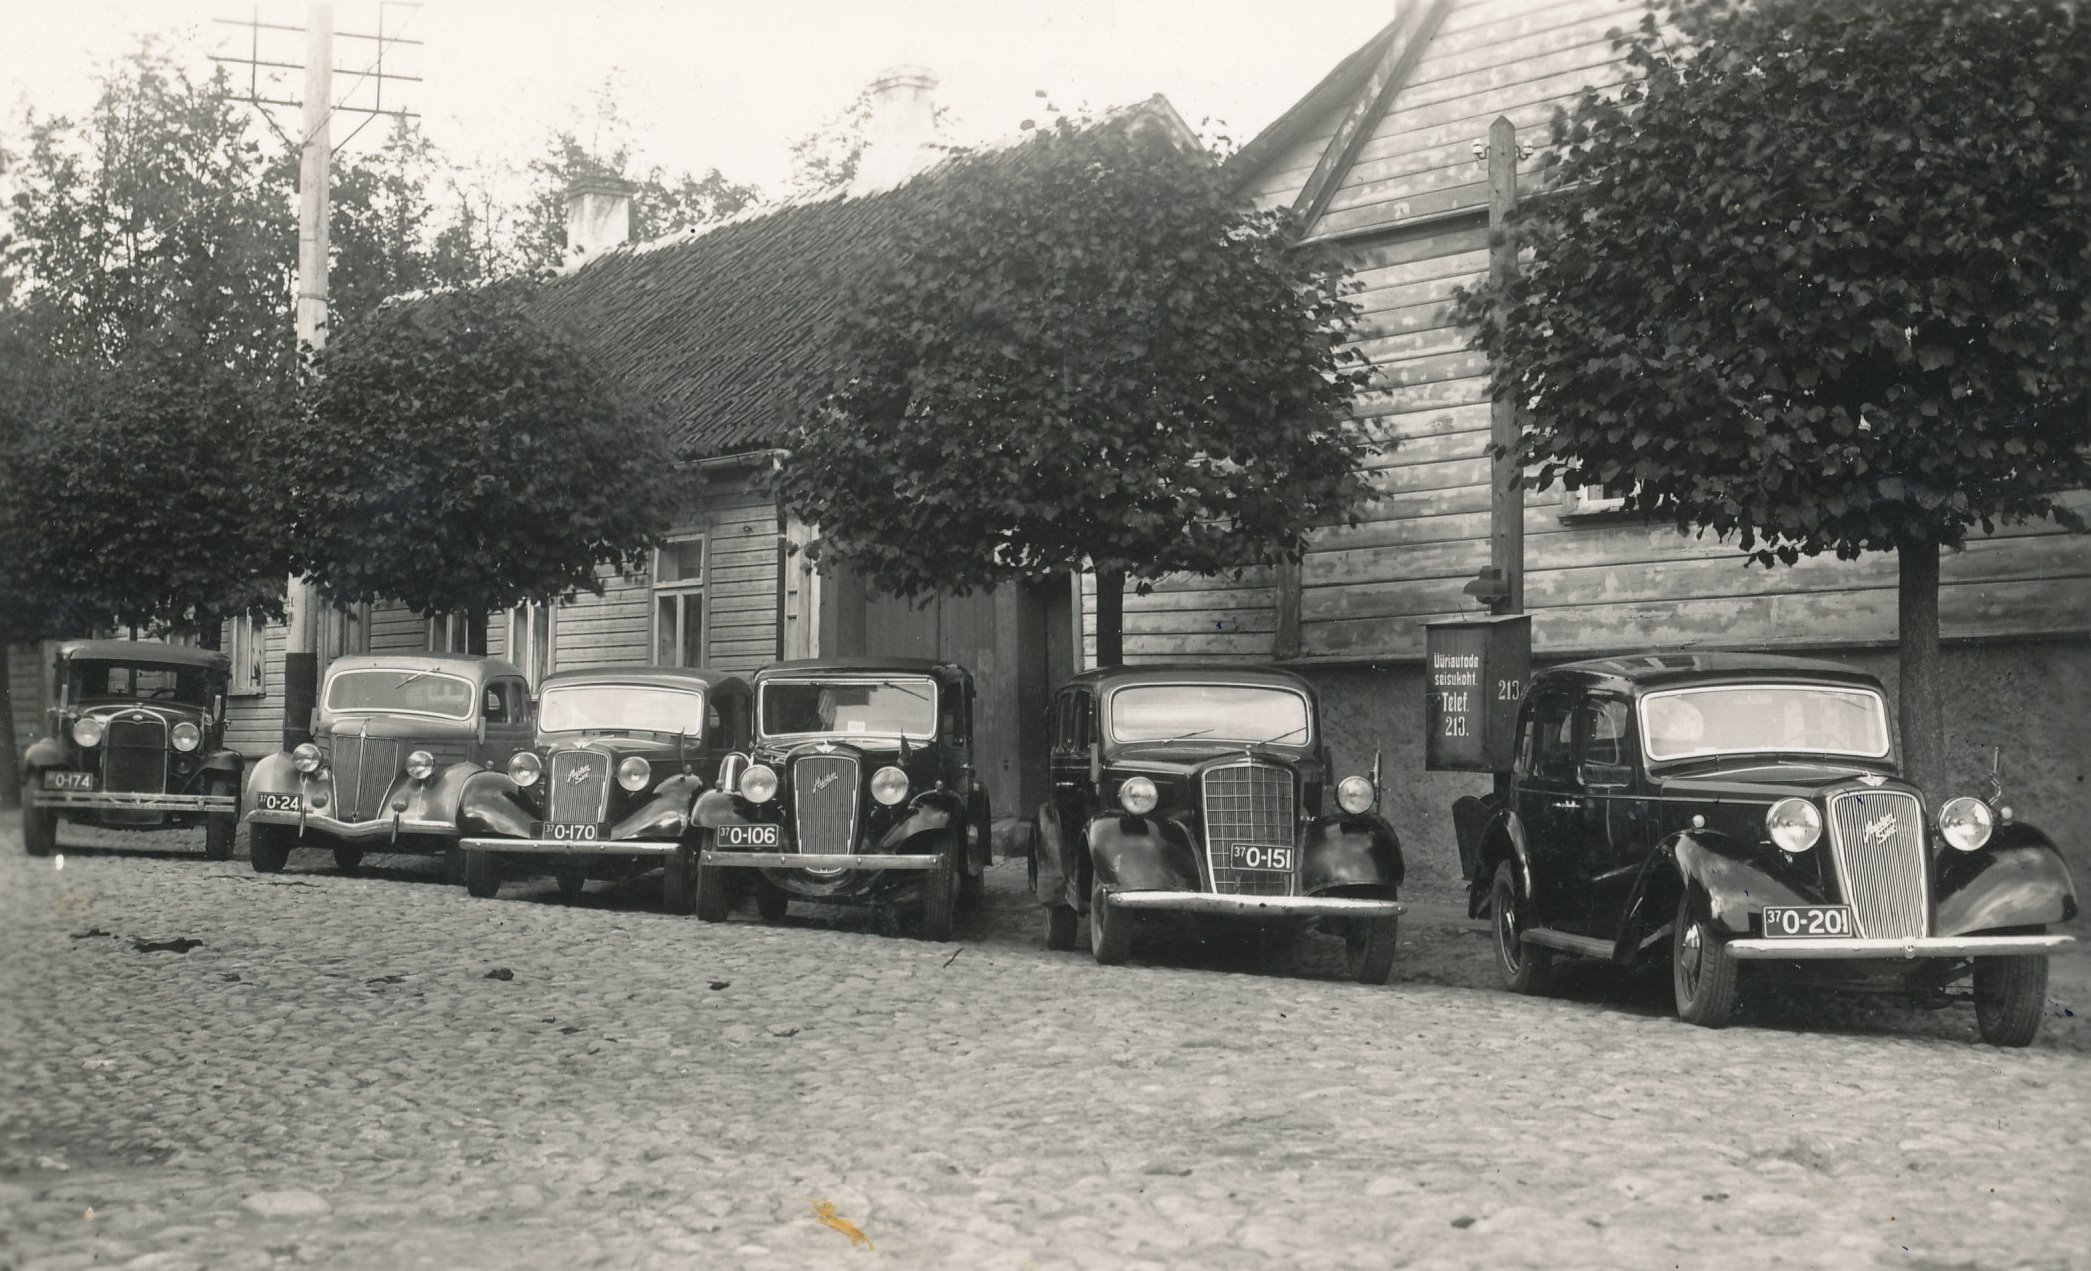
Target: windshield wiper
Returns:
[[1168, 741], [920, 697], [1301, 728], [418, 675]]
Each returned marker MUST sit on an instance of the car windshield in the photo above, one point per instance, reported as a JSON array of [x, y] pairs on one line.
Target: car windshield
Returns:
[[400, 690], [573, 708], [1222, 712], [1740, 718], [888, 705], [189, 685]]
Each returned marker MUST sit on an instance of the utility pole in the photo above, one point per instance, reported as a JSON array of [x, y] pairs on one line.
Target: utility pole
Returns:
[[315, 170], [1506, 499]]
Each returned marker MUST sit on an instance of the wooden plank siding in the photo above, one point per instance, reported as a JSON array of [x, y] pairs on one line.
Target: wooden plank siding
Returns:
[[254, 723], [1593, 584]]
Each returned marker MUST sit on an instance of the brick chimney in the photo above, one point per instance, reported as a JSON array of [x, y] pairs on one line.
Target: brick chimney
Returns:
[[598, 217], [900, 136]]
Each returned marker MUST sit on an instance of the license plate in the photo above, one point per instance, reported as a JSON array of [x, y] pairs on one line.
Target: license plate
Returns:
[[68, 781], [1783, 921], [570, 832], [1258, 856], [280, 802], [749, 836]]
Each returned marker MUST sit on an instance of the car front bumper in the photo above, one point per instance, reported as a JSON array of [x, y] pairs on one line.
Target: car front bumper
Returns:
[[388, 828], [1829, 948], [1198, 902], [571, 847], [827, 863], [110, 800]]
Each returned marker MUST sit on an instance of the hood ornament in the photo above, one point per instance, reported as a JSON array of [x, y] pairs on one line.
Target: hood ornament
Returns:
[[825, 747], [1873, 779]]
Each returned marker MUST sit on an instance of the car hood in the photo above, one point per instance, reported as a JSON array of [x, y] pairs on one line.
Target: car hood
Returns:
[[172, 712], [1759, 779], [648, 746], [1184, 759]]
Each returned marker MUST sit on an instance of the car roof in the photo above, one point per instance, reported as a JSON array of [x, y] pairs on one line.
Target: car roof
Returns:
[[656, 676], [1190, 673], [471, 666], [858, 666], [1647, 671], [144, 651]]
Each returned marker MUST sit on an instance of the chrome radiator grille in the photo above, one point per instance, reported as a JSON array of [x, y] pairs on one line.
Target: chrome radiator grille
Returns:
[[135, 761], [824, 803], [1248, 803], [1878, 838], [364, 768], [580, 785]]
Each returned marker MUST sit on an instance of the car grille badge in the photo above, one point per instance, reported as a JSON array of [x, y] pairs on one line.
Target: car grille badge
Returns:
[[825, 747], [1873, 779]]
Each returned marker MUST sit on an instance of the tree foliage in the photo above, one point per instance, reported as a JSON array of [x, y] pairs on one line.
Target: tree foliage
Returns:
[[457, 453], [1081, 353], [1817, 279]]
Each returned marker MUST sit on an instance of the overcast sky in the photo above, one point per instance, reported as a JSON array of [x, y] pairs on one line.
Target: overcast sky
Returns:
[[731, 85]]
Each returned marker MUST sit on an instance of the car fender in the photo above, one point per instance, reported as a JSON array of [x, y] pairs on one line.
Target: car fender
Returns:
[[231, 761], [1051, 868], [935, 812], [435, 799], [1351, 851], [490, 803], [715, 808], [1141, 853], [1502, 839], [2018, 879], [44, 752], [1736, 879], [275, 774]]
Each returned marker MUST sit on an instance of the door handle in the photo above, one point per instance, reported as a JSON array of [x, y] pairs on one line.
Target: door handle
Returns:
[[1567, 803]]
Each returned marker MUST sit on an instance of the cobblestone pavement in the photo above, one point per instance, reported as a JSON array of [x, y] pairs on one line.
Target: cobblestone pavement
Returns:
[[338, 1074]]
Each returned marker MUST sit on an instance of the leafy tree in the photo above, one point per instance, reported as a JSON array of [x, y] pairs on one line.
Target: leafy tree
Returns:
[[1817, 280], [1083, 352], [385, 227], [457, 453]]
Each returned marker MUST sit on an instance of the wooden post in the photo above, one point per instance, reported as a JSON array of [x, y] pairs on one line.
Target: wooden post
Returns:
[[301, 598], [1506, 503]]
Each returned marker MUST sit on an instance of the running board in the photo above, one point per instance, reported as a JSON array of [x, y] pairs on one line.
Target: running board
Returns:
[[1548, 938]]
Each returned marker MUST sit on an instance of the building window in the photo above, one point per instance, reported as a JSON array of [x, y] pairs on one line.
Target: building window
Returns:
[[1591, 500], [530, 640], [344, 630], [449, 633], [243, 642], [678, 601]]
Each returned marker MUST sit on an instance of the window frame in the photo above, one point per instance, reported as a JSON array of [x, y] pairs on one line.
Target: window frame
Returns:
[[680, 592], [537, 648], [246, 645]]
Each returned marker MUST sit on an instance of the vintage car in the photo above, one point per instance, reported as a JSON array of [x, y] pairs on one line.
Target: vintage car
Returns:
[[606, 788], [1198, 793], [860, 788], [136, 740], [1741, 809], [394, 739]]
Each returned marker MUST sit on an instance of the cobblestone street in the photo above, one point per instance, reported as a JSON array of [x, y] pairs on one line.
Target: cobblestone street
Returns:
[[378, 1071]]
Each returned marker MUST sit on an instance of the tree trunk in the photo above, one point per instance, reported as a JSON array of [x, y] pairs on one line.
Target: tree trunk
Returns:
[[1110, 617], [1918, 696], [475, 632], [10, 761], [210, 632]]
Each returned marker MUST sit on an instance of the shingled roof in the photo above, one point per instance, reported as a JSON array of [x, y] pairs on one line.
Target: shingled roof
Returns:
[[728, 330]]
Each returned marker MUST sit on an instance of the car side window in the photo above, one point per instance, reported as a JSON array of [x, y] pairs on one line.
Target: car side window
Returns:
[[1085, 720], [1606, 725], [1549, 746], [496, 705]]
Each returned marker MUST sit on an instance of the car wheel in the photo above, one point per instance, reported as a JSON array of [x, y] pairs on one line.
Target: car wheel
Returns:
[[2010, 999], [346, 859], [1110, 933], [1701, 972], [1368, 949], [268, 847], [482, 875], [1525, 967], [1275, 947], [714, 901], [39, 825], [453, 864], [1060, 926], [678, 881], [571, 880], [940, 895], [771, 902], [219, 828]]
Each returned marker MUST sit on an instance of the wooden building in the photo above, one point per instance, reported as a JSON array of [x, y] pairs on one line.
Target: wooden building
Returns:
[[1385, 158]]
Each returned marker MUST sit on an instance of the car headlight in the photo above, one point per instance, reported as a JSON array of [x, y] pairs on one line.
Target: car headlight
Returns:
[[306, 758], [1354, 795], [186, 736], [421, 765], [1138, 796], [525, 768], [759, 783], [88, 732], [1794, 824], [634, 773], [1966, 823], [889, 785]]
